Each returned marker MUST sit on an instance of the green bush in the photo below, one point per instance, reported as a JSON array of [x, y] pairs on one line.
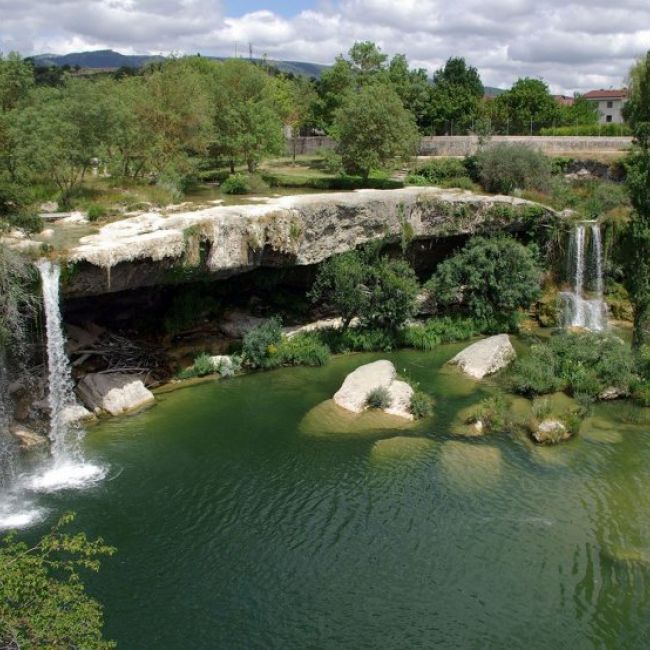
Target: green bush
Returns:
[[491, 412], [361, 339], [441, 169], [459, 182], [641, 393], [491, 278], [28, 220], [332, 161], [201, 367], [446, 329], [581, 364], [260, 345], [610, 130], [235, 184], [502, 168], [96, 211], [421, 405], [302, 350], [378, 398], [342, 182], [416, 179]]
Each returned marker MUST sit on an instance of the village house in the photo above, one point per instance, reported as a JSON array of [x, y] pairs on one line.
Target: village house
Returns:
[[610, 104]]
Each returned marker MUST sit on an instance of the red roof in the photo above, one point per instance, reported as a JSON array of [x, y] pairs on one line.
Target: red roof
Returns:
[[606, 94]]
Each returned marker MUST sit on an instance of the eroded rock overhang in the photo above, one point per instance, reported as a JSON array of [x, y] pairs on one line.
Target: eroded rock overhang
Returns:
[[220, 242]]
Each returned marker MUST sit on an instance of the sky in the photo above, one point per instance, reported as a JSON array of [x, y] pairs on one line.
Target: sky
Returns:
[[574, 45]]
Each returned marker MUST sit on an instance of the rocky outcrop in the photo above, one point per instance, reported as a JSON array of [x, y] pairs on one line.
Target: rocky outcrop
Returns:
[[550, 432], [221, 241], [353, 394], [27, 437], [485, 357], [113, 393]]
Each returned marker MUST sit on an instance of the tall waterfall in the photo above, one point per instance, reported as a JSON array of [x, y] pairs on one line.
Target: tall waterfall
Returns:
[[60, 387], [584, 305]]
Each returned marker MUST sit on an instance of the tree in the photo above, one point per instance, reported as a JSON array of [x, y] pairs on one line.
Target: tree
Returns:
[[380, 291], [367, 59], [341, 281], [457, 73], [455, 98], [43, 603], [393, 289], [334, 84], [582, 111], [491, 278], [16, 80], [529, 106], [636, 240], [413, 88], [372, 127], [247, 124]]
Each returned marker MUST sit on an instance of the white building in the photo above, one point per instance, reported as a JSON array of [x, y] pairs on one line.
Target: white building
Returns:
[[610, 104]]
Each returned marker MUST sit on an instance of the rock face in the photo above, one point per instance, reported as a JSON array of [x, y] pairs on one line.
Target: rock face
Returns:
[[550, 432], [485, 357], [28, 438], [353, 393], [300, 230], [236, 324], [114, 393]]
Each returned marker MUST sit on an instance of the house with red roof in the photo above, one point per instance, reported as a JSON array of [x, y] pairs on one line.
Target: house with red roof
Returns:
[[610, 104]]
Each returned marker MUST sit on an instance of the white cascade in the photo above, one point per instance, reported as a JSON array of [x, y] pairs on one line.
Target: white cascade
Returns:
[[580, 308]]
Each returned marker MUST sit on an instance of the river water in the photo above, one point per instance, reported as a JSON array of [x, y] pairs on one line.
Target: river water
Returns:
[[246, 519]]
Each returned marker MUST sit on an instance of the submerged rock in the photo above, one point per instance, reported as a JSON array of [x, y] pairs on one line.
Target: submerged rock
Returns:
[[399, 448], [353, 394], [485, 357], [76, 413], [114, 393], [28, 438], [550, 432]]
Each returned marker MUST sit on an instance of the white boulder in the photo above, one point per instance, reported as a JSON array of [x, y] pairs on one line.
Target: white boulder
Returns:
[[354, 391], [114, 393], [550, 432], [485, 357]]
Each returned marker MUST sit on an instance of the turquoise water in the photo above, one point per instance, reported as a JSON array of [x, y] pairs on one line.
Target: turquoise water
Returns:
[[241, 522]]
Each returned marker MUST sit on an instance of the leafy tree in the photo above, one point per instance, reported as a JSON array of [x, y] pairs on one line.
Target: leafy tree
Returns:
[[372, 127], [457, 73], [455, 97], [393, 288], [366, 58], [491, 278], [341, 281], [529, 105], [16, 80], [334, 84], [247, 124], [43, 603], [380, 291], [636, 241], [413, 88], [505, 167], [582, 111]]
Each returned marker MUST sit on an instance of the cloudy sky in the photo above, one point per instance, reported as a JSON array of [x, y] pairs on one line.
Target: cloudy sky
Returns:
[[571, 44]]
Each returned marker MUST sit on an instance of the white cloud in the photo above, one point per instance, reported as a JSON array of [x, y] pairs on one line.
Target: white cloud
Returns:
[[572, 44]]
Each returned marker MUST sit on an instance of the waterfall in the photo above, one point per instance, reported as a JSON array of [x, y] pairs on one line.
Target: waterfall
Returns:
[[580, 308], [61, 398]]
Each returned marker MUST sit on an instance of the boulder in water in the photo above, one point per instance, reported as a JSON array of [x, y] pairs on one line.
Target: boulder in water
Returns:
[[114, 393], [485, 357], [353, 394], [550, 432]]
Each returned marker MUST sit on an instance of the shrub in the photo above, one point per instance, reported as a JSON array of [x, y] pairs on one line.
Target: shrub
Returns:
[[360, 339], [303, 350], [96, 211], [491, 413], [585, 364], [28, 220], [260, 344], [460, 182], [202, 366], [332, 161], [541, 408], [491, 278], [502, 168], [446, 329], [641, 392], [378, 398], [416, 179], [441, 169], [235, 184], [421, 405], [611, 130]]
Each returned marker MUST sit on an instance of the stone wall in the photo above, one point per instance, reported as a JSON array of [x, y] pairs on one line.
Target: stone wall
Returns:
[[463, 145]]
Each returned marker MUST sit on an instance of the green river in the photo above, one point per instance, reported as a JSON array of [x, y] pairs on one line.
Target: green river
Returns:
[[245, 517]]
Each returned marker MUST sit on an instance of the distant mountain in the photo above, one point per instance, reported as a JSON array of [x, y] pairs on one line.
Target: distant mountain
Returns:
[[491, 91], [108, 59]]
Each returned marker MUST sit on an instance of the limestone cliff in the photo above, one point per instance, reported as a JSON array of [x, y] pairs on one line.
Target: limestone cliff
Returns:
[[289, 231]]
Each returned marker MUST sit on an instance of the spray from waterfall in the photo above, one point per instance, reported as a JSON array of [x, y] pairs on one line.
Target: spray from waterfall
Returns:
[[584, 306]]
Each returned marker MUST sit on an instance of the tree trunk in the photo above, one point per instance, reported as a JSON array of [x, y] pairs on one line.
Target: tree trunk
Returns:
[[232, 166]]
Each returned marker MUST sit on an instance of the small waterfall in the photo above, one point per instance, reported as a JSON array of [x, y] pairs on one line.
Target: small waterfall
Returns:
[[60, 387], [579, 307]]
